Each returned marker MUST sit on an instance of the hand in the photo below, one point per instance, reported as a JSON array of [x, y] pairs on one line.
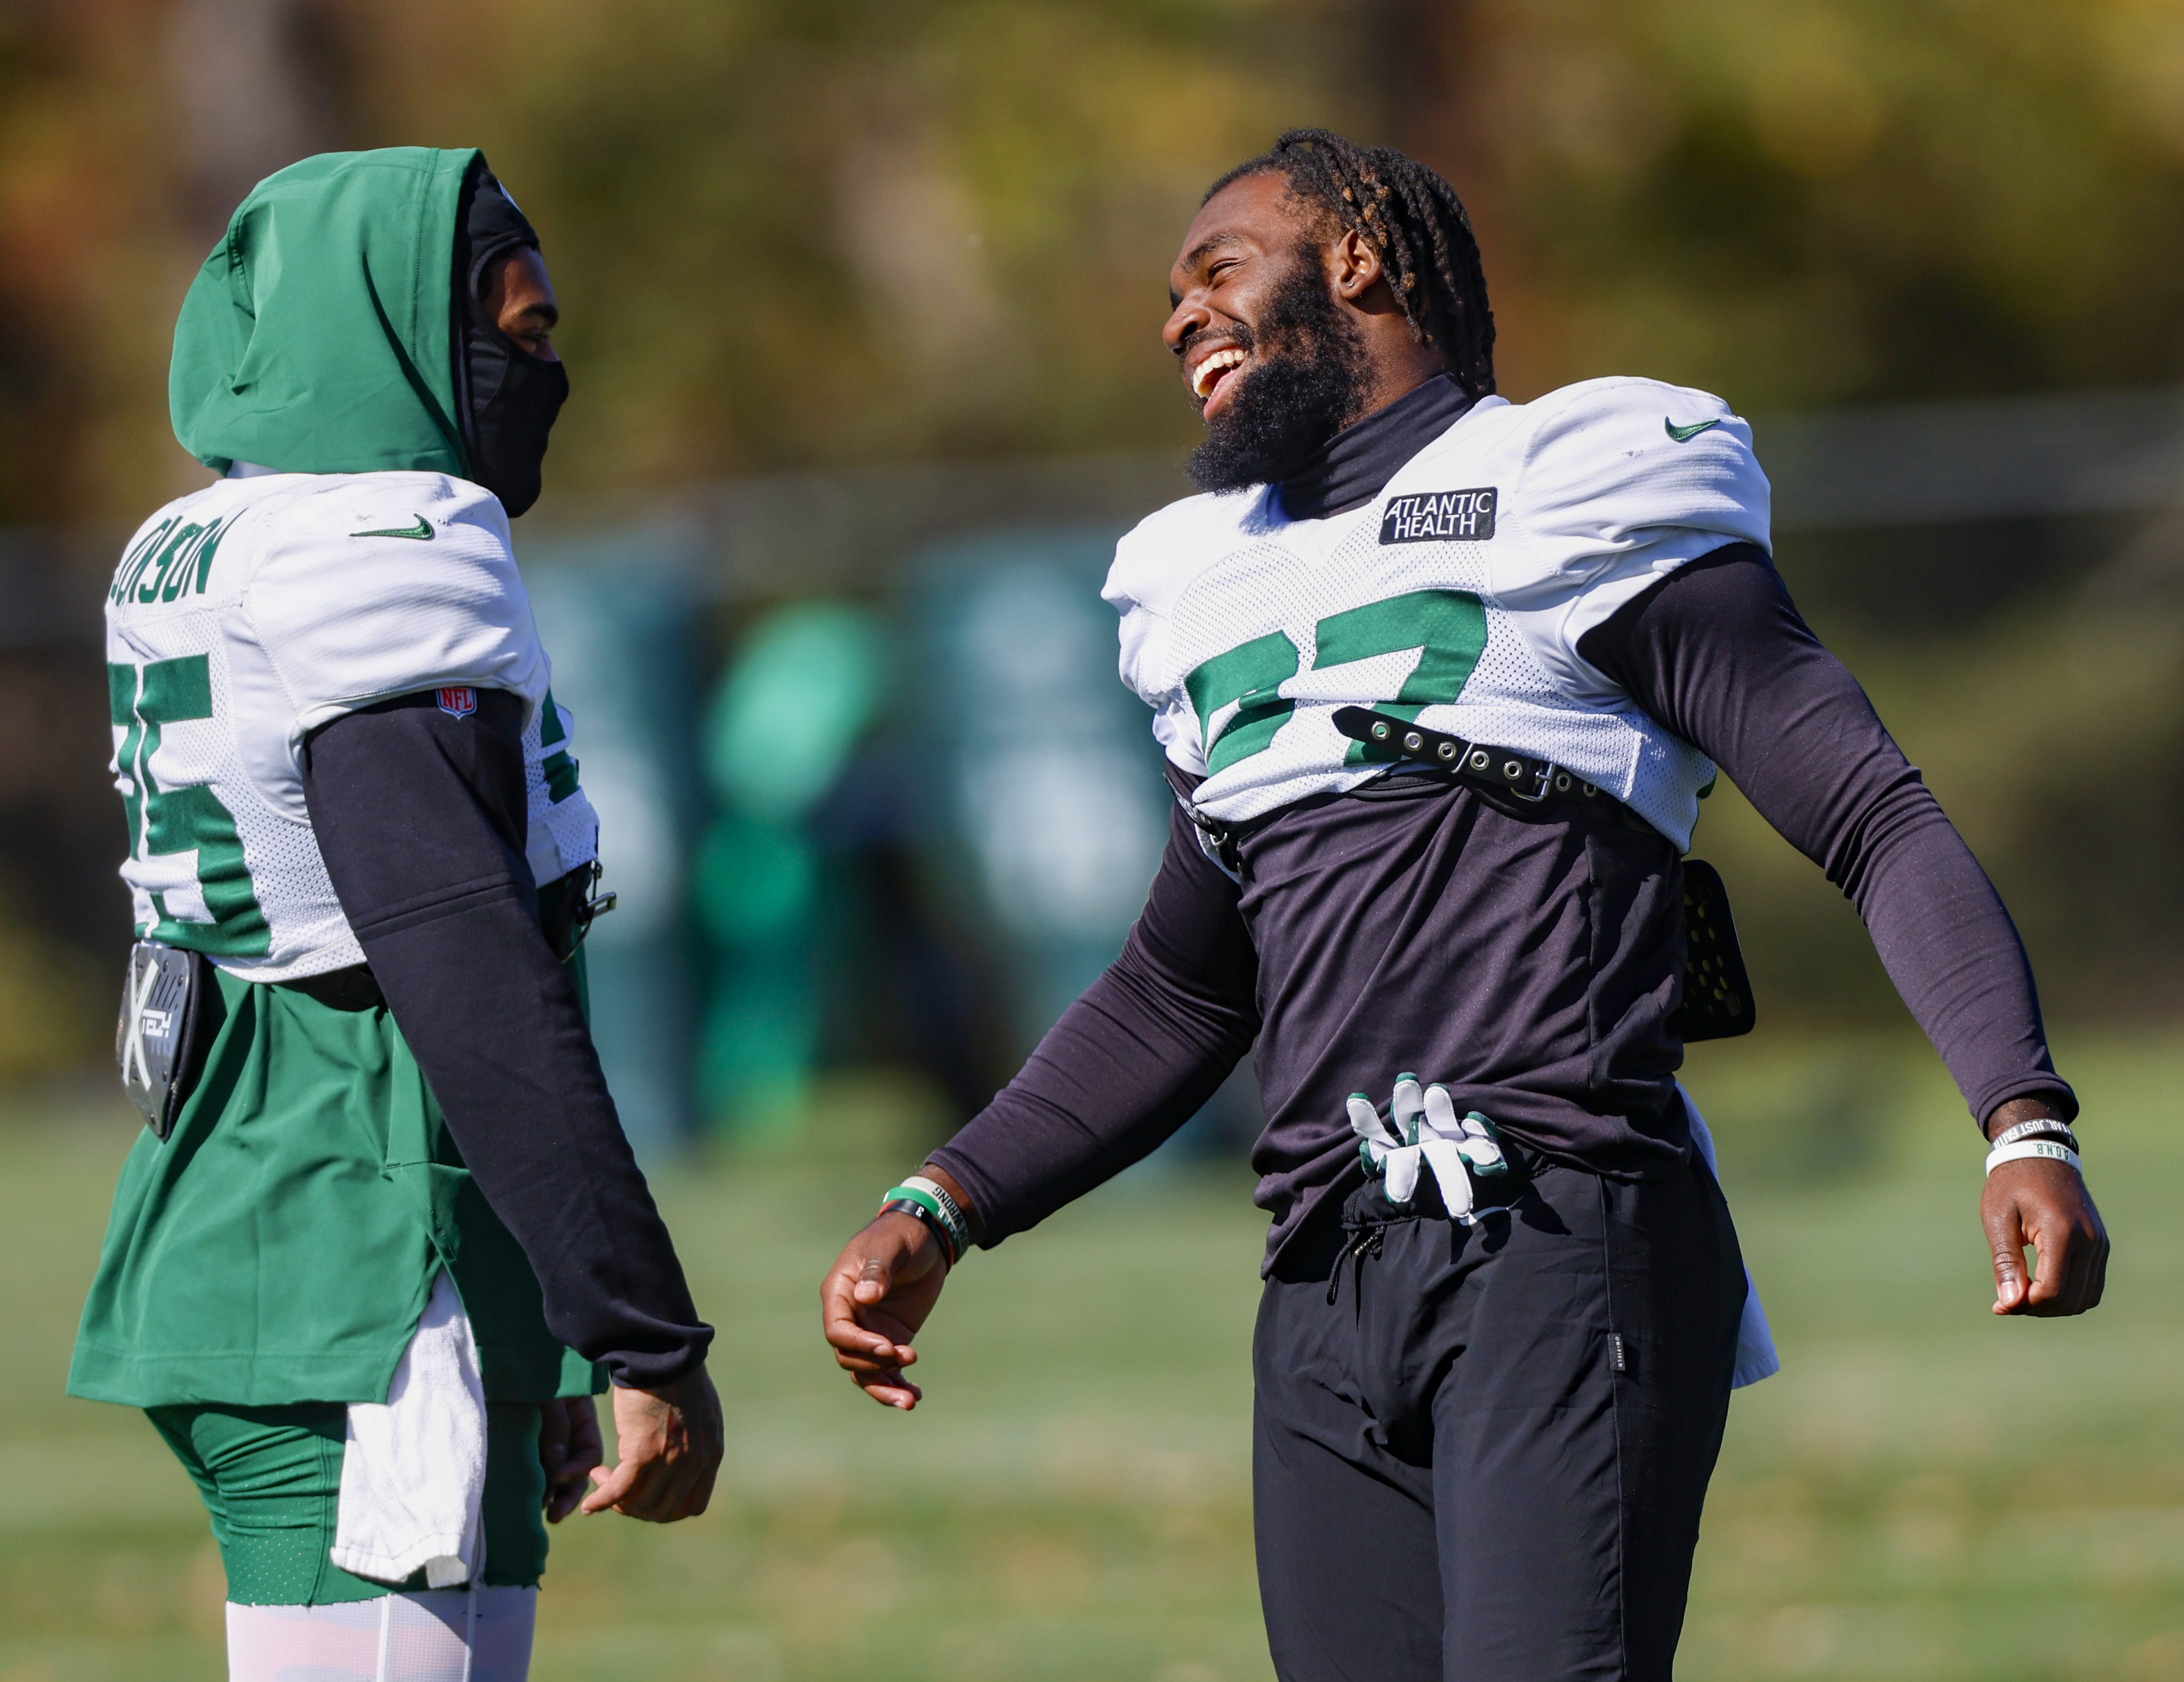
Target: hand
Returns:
[[670, 1443], [2044, 1204], [875, 1297], [568, 1448]]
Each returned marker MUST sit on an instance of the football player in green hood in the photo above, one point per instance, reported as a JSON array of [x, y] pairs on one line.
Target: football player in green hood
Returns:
[[382, 1237]]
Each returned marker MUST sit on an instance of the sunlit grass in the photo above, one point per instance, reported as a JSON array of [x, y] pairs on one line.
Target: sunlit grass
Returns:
[[1925, 1492]]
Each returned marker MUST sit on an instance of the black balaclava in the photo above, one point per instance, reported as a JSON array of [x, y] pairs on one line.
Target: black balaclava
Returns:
[[509, 397]]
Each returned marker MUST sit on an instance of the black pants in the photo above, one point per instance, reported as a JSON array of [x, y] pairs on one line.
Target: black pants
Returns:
[[1484, 1459]]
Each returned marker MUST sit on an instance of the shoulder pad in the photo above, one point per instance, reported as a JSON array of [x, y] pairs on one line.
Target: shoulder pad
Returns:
[[369, 585], [1608, 461], [1147, 572]]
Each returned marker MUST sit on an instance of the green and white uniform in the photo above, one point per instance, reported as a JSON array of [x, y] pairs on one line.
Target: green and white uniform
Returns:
[[245, 616], [267, 1264], [279, 1246], [1456, 596]]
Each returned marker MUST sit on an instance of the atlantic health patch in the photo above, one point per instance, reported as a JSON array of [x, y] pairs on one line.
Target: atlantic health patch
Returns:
[[1440, 517]]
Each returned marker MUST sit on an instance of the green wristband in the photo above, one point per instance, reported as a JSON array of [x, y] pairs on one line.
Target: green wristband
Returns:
[[909, 1193], [943, 1229], [932, 1194]]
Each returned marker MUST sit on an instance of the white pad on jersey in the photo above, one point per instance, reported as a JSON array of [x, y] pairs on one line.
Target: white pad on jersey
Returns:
[[436, 1636], [247, 614]]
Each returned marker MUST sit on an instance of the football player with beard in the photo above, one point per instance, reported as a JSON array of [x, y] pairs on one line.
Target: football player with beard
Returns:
[[1441, 681]]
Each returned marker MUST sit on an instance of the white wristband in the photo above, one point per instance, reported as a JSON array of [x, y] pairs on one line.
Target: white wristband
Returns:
[[951, 1212], [2025, 1149]]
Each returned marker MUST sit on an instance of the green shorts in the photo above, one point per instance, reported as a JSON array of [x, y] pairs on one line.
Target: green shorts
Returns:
[[270, 1478]]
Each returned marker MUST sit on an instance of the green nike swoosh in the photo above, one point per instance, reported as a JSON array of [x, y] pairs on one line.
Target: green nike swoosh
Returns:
[[423, 532], [1682, 435]]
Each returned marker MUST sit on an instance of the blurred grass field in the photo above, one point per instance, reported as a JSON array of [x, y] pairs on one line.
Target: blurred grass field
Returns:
[[1925, 1491]]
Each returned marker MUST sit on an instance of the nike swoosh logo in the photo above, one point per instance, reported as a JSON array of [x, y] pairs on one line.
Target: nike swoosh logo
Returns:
[[1682, 435], [423, 532]]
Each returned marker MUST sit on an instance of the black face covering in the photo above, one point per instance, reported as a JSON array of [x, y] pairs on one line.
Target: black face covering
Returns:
[[509, 397]]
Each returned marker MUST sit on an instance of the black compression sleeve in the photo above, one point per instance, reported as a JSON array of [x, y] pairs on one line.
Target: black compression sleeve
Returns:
[[1717, 652], [421, 817], [1129, 1062]]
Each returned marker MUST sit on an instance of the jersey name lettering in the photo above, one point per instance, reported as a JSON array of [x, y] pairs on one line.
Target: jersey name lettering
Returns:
[[1441, 517], [176, 555]]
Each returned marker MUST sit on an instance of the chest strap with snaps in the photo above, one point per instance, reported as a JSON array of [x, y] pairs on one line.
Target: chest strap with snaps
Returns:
[[1503, 769], [1535, 781]]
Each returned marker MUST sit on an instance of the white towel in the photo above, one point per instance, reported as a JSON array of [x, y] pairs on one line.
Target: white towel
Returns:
[[1756, 1358], [412, 1476]]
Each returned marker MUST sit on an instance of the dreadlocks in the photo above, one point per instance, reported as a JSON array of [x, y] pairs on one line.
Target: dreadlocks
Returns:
[[1415, 222]]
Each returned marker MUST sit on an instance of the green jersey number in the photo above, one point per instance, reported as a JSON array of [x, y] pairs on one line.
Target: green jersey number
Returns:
[[1447, 627], [1252, 675], [190, 819]]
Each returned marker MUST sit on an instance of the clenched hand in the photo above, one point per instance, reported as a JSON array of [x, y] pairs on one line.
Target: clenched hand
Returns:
[[2043, 1204]]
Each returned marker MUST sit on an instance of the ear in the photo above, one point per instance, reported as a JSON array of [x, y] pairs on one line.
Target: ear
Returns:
[[1355, 265]]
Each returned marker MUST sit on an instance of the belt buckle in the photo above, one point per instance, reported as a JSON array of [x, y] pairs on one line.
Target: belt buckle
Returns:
[[1545, 777]]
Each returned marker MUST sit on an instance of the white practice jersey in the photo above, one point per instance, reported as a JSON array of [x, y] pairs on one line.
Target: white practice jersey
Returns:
[[1456, 597], [243, 617]]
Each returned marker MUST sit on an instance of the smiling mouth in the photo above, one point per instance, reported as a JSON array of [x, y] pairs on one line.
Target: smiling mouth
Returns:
[[1206, 378]]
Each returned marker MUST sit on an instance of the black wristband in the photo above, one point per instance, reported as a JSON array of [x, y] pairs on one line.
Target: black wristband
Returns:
[[933, 1224], [2041, 1126]]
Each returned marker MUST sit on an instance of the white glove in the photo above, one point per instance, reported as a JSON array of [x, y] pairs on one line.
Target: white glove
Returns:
[[1426, 1130]]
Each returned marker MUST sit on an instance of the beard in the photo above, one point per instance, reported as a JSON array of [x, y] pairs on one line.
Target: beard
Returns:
[[1313, 379]]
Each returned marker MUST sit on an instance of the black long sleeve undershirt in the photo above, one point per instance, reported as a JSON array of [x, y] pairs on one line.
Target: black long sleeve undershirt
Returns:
[[1717, 652], [421, 817], [1129, 1062]]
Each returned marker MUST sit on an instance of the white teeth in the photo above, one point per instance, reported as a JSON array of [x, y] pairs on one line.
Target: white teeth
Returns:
[[1206, 371]]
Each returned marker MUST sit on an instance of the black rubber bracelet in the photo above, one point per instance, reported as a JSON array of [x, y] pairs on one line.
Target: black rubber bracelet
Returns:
[[934, 1224], [2041, 1126]]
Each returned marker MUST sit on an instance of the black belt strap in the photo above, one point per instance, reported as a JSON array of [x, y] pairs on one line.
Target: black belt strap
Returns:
[[1504, 768], [1716, 1002], [354, 989]]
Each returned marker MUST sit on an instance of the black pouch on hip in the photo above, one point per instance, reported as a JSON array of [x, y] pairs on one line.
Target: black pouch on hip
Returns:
[[1717, 991], [157, 1042]]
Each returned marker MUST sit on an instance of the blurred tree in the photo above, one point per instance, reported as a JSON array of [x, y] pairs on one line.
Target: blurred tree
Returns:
[[796, 235], [1803, 201], [76, 129], [128, 130], [252, 86], [789, 234]]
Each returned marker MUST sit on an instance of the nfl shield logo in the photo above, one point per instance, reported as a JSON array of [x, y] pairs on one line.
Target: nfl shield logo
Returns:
[[458, 703]]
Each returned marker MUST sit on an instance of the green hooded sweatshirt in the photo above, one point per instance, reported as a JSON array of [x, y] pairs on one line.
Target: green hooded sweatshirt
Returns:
[[279, 1246], [317, 336]]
